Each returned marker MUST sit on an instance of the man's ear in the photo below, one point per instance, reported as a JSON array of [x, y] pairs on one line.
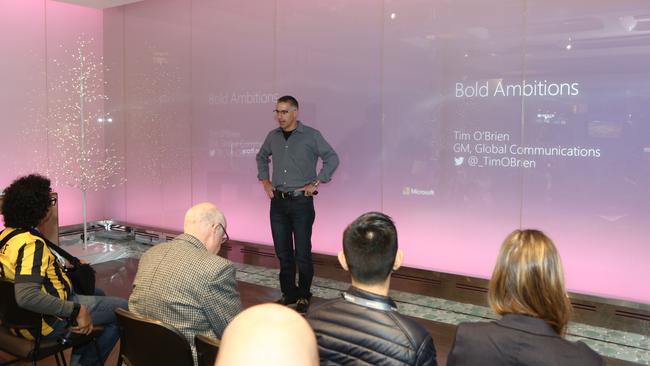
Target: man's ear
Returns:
[[343, 261], [399, 256]]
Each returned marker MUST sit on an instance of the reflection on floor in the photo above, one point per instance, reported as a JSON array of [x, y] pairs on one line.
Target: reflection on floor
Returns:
[[118, 260]]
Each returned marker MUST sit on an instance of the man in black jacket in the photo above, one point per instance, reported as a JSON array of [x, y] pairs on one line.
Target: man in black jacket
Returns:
[[363, 326]]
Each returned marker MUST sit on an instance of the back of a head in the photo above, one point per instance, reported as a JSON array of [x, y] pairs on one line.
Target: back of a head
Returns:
[[26, 201], [370, 246], [200, 217], [268, 334], [528, 279]]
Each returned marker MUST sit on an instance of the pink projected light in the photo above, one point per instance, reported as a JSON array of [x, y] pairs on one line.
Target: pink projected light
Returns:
[[47, 30], [462, 124]]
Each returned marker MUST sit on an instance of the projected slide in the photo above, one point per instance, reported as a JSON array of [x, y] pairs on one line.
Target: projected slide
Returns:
[[504, 122], [463, 120], [486, 148]]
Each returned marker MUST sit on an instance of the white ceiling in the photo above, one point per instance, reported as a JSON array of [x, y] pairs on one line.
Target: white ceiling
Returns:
[[99, 4]]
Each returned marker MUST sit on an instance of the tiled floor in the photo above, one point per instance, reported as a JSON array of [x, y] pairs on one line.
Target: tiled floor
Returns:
[[611, 343]]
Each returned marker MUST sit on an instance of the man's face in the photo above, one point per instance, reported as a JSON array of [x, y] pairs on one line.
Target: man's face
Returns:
[[287, 116]]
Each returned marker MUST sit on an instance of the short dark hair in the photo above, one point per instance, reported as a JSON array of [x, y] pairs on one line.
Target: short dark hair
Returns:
[[26, 201], [289, 99], [370, 246]]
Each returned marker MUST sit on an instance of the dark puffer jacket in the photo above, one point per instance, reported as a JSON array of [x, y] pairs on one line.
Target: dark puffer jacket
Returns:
[[361, 332]]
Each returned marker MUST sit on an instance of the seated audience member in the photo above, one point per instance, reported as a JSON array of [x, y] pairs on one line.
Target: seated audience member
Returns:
[[41, 283], [268, 334], [184, 283], [363, 326], [527, 290]]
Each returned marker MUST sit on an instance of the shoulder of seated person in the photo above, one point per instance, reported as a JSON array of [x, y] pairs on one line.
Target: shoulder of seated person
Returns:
[[472, 327]]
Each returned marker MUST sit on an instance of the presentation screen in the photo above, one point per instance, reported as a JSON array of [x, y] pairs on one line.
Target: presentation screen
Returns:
[[463, 120], [533, 117]]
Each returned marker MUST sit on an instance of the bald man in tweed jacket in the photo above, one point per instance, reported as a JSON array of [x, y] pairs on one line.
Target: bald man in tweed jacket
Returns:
[[185, 283]]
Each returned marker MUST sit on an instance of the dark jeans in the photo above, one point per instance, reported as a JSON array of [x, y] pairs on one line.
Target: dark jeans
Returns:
[[102, 312], [291, 222]]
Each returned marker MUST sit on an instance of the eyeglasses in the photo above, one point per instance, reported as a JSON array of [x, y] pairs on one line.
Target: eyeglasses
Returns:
[[283, 112], [53, 201], [225, 237]]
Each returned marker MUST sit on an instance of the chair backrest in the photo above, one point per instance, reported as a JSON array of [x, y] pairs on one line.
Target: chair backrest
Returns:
[[206, 349], [145, 341], [14, 316]]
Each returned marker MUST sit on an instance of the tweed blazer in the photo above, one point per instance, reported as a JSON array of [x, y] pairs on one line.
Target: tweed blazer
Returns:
[[517, 339], [180, 283]]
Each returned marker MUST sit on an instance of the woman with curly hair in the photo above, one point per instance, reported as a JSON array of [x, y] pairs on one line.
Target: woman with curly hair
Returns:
[[41, 284], [27, 202], [527, 290]]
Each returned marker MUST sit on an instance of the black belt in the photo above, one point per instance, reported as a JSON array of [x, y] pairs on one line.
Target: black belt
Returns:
[[290, 194]]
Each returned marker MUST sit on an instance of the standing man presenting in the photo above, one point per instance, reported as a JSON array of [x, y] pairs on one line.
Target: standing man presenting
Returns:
[[295, 149]]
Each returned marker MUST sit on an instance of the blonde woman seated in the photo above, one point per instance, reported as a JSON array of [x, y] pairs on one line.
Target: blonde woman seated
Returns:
[[527, 290]]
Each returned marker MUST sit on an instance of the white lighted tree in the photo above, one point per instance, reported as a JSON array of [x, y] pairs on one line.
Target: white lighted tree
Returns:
[[80, 158]]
